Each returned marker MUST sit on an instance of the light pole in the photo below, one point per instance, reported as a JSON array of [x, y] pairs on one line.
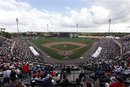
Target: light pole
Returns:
[[109, 26], [2, 29], [17, 26], [47, 28], [77, 28]]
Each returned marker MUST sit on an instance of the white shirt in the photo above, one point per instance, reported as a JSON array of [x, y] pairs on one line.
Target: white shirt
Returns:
[[6, 73], [107, 84]]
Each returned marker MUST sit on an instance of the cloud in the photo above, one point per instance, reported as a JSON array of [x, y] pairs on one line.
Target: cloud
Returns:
[[95, 18], [119, 9], [85, 18], [92, 19], [27, 15]]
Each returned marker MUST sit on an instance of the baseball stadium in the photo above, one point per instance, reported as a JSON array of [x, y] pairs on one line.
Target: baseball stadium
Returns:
[[64, 54], [64, 43]]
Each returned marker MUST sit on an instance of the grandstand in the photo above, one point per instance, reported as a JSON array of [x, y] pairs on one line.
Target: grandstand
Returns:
[[18, 56]]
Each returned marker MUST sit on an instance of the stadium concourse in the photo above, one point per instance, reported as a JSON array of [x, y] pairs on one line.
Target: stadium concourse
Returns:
[[21, 66]]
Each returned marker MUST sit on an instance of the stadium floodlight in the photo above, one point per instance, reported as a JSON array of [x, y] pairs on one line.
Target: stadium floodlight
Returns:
[[47, 28], [109, 25], [17, 25], [2, 29], [77, 28]]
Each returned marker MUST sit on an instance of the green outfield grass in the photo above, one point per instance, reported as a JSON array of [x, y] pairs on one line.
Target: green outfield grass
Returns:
[[77, 53], [65, 47]]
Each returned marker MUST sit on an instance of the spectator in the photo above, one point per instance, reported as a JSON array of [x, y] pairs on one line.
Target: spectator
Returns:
[[47, 82], [52, 73], [65, 82], [86, 83], [13, 74], [25, 69], [16, 83], [118, 83], [6, 73], [68, 70], [78, 83], [81, 75], [97, 83]]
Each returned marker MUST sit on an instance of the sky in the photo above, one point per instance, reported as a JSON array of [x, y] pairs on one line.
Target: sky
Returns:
[[65, 15]]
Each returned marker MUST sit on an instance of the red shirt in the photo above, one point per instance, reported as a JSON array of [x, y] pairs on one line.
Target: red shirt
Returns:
[[25, 68], [52, 73], [117, 84]]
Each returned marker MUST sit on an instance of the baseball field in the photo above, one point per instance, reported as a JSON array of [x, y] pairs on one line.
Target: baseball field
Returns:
[[63, 48]]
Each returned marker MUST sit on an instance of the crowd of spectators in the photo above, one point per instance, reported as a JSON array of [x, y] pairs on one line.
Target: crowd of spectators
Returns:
[[125, 41], [22, 52], [14, 57], [17, 63], [108, 67], [5, 49], [48, 76], [109, 53]]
